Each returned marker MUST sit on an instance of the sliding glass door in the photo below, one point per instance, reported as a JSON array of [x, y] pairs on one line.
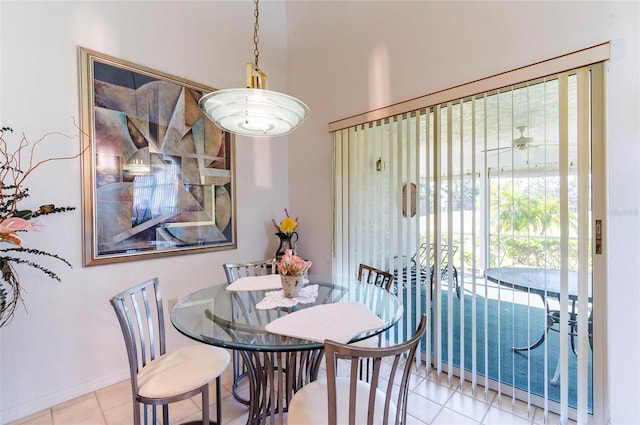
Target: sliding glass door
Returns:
[[483, 209]]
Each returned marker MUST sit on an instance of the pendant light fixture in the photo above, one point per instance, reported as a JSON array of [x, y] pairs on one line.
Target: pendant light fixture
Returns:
[[254, 111]]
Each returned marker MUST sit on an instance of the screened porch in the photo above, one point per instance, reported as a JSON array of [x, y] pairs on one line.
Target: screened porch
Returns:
[[489, 200]]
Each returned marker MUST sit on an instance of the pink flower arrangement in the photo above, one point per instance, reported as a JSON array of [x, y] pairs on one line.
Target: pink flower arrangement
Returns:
[[9, 227], [292, 265]]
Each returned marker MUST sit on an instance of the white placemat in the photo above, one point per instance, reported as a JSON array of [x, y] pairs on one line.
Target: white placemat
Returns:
[[256, 283], [306, 295], [339, 322]]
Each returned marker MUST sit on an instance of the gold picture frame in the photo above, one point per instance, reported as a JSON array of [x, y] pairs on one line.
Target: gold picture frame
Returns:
[[158, 176]]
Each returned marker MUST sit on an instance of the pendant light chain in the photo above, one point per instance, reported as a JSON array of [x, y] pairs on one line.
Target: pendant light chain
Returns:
[[256, 52]]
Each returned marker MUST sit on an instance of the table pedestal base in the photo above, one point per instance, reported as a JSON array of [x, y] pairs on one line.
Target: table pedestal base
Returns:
[[553, 318], [273, 379]]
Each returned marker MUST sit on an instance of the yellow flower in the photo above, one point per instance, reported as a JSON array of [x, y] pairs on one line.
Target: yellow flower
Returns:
[[288, 225]]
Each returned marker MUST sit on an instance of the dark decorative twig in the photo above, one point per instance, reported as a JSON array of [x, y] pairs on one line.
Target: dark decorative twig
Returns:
[[12, 178]]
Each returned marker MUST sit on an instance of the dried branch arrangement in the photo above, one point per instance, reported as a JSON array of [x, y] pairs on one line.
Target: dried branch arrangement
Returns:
[[15, 166]]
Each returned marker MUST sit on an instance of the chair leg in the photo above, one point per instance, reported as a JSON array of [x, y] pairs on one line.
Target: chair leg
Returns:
[[218, 402], [205, 405], [154, 419], [154, 414], [136, 412], [165, 414]]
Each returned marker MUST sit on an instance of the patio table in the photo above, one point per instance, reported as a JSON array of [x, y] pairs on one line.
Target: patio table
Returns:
[[545, 283]]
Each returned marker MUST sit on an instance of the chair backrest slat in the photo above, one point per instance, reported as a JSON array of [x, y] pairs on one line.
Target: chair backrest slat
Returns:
[[372, 275], [400, 359], [141, 316], [444, 255], [375, 375], [142, 338], [234, 271]]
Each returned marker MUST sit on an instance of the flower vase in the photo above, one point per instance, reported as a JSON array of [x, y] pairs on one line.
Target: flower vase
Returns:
[[287, 241], [291, 284]]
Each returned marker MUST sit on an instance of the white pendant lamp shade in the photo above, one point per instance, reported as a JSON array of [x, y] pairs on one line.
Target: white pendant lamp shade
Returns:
[[254, 112]]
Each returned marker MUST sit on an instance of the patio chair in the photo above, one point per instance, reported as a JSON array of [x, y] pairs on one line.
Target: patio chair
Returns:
[[444, 265], [421, 267]]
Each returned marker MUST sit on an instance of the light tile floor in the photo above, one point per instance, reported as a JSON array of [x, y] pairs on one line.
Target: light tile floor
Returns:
[[433, 400]]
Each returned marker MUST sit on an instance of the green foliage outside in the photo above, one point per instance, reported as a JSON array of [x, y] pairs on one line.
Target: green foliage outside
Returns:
[[524, 226]]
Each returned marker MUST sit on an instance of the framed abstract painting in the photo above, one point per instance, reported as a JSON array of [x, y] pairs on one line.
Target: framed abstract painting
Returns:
[[158, 176]]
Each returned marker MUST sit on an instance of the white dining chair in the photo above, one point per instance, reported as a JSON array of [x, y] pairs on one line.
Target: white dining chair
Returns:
[[235, 271], [350, 400], [373, 276], [159, 377]]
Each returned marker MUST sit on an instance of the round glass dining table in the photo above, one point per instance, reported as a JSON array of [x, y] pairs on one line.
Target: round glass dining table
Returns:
[[275, 365]]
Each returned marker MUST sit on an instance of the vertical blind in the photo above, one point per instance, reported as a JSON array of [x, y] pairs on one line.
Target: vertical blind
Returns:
[[499, 180]]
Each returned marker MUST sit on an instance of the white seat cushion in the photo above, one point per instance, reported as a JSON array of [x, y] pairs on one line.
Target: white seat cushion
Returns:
[[309, 406], [371, 342], [181, 371]]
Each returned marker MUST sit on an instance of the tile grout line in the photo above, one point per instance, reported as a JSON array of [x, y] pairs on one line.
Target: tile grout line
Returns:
[[456, 389], [442, 407], [422, 379], [104, 416]]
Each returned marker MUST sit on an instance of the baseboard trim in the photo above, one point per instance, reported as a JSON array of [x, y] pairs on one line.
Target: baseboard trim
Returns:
[[33, 406]]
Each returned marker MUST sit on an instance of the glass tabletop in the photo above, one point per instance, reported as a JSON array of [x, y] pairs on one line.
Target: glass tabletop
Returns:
[[230, 319], [544, 282]]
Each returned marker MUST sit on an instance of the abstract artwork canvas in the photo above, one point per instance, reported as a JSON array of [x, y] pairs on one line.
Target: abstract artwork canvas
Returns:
[[158, 176]]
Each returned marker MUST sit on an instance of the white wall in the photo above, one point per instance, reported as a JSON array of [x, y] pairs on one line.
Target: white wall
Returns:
[[69, 342], [342, 58], [348, 57]]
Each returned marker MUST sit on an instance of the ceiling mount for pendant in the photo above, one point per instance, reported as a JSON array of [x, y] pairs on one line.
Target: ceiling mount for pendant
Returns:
[[254, 110]]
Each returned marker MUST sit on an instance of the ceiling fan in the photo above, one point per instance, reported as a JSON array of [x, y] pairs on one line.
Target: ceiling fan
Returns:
[[522, 143]]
